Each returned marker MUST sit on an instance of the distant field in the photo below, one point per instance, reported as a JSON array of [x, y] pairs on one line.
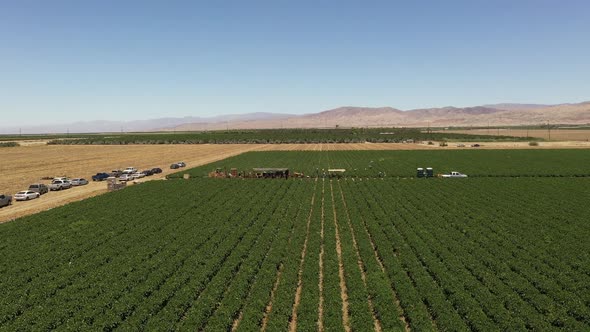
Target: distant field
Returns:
[[276, 136], [273, 255], [555, 135]]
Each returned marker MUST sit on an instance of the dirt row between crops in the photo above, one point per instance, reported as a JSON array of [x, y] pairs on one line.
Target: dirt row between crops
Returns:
[[24, 165]]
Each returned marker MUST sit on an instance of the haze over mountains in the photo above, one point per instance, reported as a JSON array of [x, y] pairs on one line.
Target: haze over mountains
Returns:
[[493, 115]]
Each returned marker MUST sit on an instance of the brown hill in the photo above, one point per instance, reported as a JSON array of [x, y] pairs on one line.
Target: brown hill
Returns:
[[504, 114]]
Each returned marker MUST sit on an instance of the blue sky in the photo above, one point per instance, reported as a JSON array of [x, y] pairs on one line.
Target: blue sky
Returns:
[[65, 61]]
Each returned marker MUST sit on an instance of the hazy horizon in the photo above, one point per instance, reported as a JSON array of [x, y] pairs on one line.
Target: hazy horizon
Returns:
[[69, 62]]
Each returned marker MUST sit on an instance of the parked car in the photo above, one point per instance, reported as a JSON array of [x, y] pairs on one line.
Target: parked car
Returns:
[[60, 184], [125, 177], [100, 176], [174, 166], [137, 175], [156, 170], [41, 188], [116, 173], [5, 200], [26, 195], [147, 172], [79, 182], [62, 179], [129, 170]]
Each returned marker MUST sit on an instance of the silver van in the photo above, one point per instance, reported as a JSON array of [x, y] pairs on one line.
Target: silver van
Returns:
[[39, 188]]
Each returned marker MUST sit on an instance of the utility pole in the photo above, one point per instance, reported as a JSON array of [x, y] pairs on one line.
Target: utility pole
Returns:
[[548, 130], [20, 131]]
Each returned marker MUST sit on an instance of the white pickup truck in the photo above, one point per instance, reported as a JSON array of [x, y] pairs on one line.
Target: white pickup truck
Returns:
[[129, 170], [59, 184], [454, 175]]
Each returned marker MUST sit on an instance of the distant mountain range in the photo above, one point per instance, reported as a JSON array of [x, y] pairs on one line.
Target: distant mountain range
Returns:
[[493, 115]]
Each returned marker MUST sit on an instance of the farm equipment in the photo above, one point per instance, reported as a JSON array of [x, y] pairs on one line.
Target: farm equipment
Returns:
[[336, 172], [271, 173], [419, 172], [422, 173], [218, 173], [429, 172], [256, 173], [114, 183]]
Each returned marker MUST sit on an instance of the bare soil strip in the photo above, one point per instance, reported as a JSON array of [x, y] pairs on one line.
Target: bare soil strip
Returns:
[[293, 323], [273, 292], [269, 305], [237, 321], [361, 265], [343, 290], [321, 263]]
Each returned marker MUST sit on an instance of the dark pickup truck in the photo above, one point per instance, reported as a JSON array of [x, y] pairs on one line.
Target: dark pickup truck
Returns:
[[5, 200], [116, 173], [100, 176]]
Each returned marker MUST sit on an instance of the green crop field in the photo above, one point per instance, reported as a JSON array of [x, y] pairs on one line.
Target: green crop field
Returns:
[[404, 163], [361, 253], [264, 136]]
